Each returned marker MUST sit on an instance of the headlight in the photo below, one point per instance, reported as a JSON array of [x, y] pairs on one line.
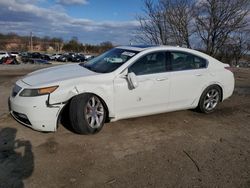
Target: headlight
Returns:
[[37, 92]]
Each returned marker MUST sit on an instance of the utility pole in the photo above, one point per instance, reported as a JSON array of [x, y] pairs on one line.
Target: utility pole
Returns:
[[31, 42]]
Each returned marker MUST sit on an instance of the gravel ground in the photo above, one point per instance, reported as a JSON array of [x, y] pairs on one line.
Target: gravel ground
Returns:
[[178, 149]]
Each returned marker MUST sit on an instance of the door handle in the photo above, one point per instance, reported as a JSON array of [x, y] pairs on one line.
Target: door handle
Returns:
[[199, 75], [144, 80], [161, 79]]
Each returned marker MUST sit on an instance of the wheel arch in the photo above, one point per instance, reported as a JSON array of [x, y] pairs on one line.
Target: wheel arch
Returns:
[[211, 85], [64, 112]]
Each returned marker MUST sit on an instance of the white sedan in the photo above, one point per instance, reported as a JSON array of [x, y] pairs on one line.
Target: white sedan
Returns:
[[4, 54], [124, 82]]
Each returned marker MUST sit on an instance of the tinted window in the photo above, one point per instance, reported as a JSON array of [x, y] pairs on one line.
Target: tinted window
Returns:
[[150, 64], [186, 61]]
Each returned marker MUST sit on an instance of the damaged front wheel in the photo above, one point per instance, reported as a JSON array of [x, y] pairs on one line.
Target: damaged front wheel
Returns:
[[87, 114]]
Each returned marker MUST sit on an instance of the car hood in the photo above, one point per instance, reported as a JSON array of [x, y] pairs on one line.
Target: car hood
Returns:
[[56, 74]]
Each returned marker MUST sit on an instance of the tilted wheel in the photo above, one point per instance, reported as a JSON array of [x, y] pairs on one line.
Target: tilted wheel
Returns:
[[87, 114], [210, 99]]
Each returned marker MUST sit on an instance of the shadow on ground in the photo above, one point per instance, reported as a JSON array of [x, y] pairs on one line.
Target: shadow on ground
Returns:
[[16, 159]]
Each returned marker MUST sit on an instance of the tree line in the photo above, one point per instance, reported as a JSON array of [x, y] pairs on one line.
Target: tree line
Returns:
[[74, 46], [14, 42], [220, 28]]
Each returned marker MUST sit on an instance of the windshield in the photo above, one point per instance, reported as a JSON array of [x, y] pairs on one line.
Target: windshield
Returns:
[[109, 61]]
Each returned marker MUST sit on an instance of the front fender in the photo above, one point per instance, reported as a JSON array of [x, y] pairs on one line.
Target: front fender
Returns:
[[104, 91]]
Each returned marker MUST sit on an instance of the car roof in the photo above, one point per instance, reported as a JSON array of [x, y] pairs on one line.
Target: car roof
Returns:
[[140, 48]]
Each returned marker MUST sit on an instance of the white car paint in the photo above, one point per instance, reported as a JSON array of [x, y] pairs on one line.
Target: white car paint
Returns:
[[150, 96], [88, 56], [15, 54], [3, 54], [156, 93], [55, 56]]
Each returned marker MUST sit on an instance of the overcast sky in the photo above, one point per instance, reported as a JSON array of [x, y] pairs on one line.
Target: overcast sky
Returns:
[[92, 21]]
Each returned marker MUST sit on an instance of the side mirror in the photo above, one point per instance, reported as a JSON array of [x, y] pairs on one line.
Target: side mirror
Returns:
[[132, 80]]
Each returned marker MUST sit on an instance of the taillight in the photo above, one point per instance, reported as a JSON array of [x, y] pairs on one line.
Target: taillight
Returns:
[[229, 68]]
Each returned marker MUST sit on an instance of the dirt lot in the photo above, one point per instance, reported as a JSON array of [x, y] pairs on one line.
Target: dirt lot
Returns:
[[178, 149]]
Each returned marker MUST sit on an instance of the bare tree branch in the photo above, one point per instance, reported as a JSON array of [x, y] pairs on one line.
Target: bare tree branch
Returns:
[[166, 22], [217, 19]]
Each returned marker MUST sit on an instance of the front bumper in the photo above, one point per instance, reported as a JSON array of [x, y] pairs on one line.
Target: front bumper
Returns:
[[34, 112]]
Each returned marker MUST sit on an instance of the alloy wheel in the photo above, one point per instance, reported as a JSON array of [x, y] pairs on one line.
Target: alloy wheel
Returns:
[[94, 112], [211, 99]]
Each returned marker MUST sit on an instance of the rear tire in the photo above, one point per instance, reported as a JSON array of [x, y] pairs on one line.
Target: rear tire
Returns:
[[87, 114], [210, 99]]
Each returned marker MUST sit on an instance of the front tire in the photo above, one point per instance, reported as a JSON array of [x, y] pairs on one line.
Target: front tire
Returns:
[[210, 99], [87, 114]]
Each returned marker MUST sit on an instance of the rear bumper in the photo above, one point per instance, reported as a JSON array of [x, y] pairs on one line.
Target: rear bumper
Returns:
[[229, 86], [34, 112]]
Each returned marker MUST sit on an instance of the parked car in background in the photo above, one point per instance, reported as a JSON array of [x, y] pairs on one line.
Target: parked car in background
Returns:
[[64, 58], [16, 54], [25, 57], [45, 57], [125, 82], [37, 55], [78, 58], [11, 60], [54, 57], [4, 54], [244, 64], [28, 57], [71, 57], [89, 57]]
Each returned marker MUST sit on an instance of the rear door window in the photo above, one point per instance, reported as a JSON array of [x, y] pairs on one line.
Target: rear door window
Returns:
[[186, 61]]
